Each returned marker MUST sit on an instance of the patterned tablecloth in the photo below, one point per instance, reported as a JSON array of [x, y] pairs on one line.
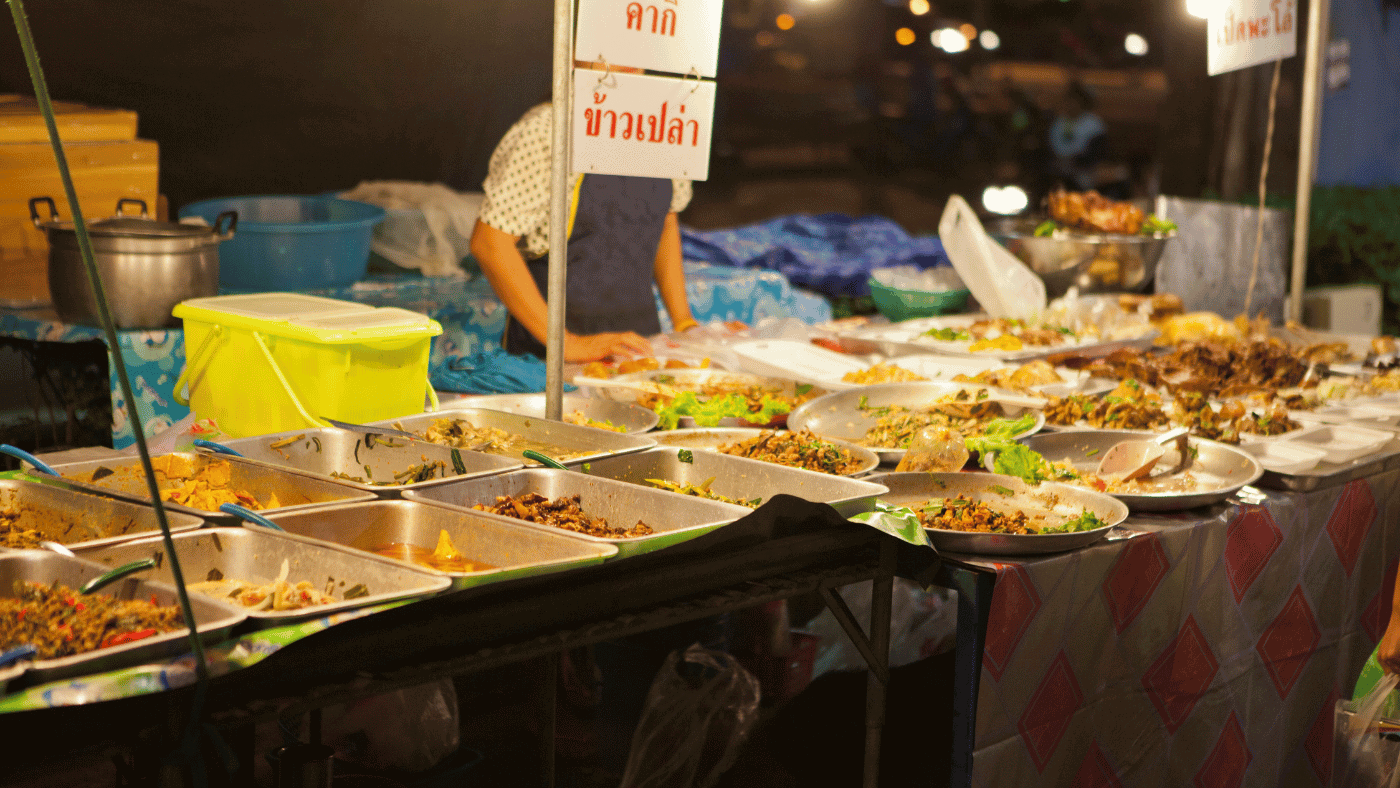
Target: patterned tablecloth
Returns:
[[471, 317], [1210, 652]]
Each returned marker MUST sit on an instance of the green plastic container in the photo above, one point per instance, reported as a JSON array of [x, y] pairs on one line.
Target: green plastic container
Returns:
[[900, 305]]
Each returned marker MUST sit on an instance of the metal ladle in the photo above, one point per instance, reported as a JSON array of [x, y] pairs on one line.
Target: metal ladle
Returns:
[[1134, 459]]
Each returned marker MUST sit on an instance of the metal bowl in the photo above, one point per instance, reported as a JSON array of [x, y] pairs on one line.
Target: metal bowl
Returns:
[[1095, 263]]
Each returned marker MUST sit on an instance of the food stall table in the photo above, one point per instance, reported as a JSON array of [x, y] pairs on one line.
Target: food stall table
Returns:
[[1210, 650], [796, 548]]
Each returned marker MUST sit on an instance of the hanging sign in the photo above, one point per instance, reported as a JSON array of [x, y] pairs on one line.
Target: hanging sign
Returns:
[[678, 36], [633, 124], [1242, 33]]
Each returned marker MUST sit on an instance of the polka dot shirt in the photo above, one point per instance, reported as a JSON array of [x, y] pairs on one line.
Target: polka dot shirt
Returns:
[[517, 183]]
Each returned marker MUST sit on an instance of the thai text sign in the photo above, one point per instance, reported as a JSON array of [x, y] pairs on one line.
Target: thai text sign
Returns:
[[1242, 33], [677, 36], [630, 124]]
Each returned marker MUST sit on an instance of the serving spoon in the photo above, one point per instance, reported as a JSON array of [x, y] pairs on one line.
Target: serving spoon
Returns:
[[1134, 459]]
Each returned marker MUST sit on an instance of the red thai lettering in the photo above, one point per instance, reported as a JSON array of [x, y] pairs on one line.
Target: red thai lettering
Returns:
[[634, 16]]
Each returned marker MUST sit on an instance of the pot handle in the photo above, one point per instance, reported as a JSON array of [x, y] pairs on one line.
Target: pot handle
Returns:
[[34, 204], [227, 232], [124, 200]]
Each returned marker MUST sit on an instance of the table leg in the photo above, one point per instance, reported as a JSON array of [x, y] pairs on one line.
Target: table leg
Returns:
[[549, 692], [877, 679], [974, 604]]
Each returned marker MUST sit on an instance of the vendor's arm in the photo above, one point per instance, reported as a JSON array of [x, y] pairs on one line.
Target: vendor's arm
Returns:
[[1388, 652], [670, 274], [505, 269]]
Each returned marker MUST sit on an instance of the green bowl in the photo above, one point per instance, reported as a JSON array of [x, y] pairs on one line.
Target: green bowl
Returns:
[[900, 305]]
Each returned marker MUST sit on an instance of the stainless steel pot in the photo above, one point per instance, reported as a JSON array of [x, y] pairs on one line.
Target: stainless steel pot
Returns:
[[147, 266]]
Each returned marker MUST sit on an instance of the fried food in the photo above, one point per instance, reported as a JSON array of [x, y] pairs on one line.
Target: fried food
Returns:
[[278, 594], [703, 490], [1130, 406], [462, 434], [60, 622], [882, 373], [896, 425], [564, 512], [798, 450], [1022, 378], [578, 418], [198, 482], [1092, 212], [962, 514]]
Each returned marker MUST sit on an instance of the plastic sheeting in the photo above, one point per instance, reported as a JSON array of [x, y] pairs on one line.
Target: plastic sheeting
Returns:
[[1209, 261], [830, 253]]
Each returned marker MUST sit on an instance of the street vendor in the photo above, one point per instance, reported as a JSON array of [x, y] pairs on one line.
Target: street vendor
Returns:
[[624, 234]]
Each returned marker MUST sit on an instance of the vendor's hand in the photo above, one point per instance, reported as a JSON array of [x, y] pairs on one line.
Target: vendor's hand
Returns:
[[596, 347]]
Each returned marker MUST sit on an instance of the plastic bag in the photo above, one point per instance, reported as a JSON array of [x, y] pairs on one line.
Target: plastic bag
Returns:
[[428, 226], [701, 707], [408, 730], [1365, 750]]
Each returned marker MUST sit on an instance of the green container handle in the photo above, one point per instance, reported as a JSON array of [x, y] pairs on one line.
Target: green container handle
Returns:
[[104, 580]]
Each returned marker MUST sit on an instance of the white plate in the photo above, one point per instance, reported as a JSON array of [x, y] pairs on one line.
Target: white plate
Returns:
[[1283, 456], [897, 339], [801, 361], [1341, 443]]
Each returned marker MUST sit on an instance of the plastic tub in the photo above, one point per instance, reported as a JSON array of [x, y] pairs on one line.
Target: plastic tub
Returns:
[[900, 305], [292, 242], [271, 362]]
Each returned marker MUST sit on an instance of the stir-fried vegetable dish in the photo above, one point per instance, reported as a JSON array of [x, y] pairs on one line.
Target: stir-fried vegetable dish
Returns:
[[578, 418], [703, 490], [273, 595], [564, 512], [711, 401], [881, 373], [798, 450], [895, 425], [445, 557], [60, 622], [965, 514], [462, 434]]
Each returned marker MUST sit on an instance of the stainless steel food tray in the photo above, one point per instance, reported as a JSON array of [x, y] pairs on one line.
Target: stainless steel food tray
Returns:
[[741, 478], [585, 443], [256, 555], [371, 458], [1220, 470], [294, 491], [1048, 499], [513, 548], [712, 438], [839, 415], [74, 518], [214, 620], [674, 517], [634, 418]]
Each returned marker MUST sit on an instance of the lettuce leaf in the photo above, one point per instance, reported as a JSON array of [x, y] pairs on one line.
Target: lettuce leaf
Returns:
[[710, 412]]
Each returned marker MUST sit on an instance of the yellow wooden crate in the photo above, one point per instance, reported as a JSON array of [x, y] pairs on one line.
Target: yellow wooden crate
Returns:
[[20, 121]]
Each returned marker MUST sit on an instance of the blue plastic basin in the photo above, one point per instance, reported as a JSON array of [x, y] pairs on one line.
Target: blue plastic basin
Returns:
[[292, 242]]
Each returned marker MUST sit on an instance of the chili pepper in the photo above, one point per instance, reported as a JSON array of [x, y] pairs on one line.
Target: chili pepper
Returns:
[[154, 603], [127, 637], [80, 607], [22, 611]]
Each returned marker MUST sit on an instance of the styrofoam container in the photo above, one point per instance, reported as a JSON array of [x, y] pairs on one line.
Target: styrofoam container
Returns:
[[801, 361], [1365, 415], [262, 363], [1283, 456], [1341, 443]]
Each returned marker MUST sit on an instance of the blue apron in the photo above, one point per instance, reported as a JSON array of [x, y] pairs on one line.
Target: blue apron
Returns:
[[616, 227]]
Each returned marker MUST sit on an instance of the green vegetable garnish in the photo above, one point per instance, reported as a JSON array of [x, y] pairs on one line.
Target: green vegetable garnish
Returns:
[[948, 334], [1003, 491], [685, 455], [1091, 452], [1086, 521], [802, 389], [710, 412], [1152, 225], [1046, 228]]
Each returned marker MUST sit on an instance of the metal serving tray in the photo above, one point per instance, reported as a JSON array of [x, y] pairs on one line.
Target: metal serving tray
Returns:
[[634, 418], [674, 517], [294, 491], [839, 415], [371, 458], [1056, 502], [710, 439], [1219, 469], [512, 548], [256, 554], [552, 437], [74, 518], [741, 478], [214, 620]]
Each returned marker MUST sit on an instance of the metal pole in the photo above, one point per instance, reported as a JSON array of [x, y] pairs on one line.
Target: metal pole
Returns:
[[559, 209], [1309, 129]]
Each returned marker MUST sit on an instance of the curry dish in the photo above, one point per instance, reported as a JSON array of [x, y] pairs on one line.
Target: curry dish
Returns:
[[60, 622], [564, 512], [198, 482]]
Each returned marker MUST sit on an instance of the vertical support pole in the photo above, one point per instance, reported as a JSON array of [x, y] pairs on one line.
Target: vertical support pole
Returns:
[[559, 208], [974, 610], [1310, 127], [876, 684]]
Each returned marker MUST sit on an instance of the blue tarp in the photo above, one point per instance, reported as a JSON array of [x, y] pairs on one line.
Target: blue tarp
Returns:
[[831, 253]]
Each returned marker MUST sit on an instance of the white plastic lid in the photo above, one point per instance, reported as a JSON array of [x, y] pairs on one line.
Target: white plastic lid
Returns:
[[276, 306], [1002, 284], [386, 317]]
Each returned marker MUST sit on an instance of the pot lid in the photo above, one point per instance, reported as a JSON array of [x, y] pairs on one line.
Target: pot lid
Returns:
[[132, 226]]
